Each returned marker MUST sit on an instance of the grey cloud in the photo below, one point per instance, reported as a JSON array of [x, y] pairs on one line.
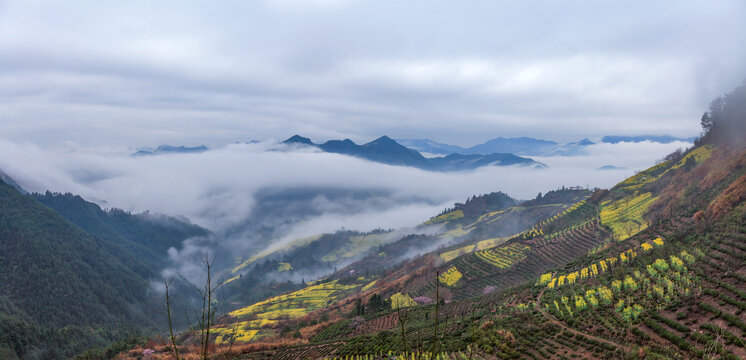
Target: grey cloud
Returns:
[[140, 73], [218, 188]]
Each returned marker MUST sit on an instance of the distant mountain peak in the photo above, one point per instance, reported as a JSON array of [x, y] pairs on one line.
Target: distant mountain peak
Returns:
[[585, 142], [385, 141], [389, 151], [181, 148], [168, 149], [611, 167], [297, 139], [385, 138]]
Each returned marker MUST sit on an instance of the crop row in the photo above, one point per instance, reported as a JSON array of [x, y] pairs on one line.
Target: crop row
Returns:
[[660, 286], [483, 277], [594, 269], [625, 216], [565, 219], [505, 256]]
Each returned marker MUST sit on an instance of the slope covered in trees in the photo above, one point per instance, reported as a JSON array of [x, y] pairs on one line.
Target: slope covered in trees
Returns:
[[65, 289], [146, 235]]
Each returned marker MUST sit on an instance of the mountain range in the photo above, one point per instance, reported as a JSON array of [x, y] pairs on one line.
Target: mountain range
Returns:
[[388, 151], [409, 152], [170, 149], [522, 146], [663, 139], [528, 146]]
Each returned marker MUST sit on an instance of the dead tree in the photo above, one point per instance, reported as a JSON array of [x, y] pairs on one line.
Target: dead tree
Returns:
[[208, 311], [174, 349]]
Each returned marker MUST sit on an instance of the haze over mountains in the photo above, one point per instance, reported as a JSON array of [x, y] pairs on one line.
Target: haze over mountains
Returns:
[[169, 149], [388, 151], [528, 146], [422, 153]]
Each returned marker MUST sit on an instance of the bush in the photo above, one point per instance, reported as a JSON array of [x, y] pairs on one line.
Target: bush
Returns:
[[660, 330], [672, 324]]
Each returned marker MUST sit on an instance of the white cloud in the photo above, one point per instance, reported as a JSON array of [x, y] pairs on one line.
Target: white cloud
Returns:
[[217, 188]]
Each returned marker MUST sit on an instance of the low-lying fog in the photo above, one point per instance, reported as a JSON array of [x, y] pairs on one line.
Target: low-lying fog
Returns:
[[237, 188]]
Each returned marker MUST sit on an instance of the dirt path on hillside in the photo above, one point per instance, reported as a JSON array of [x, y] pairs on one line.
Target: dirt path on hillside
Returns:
[[562, 325]]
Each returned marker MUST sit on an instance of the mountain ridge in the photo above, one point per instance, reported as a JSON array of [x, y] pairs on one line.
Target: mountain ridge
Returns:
[[170, 149], [388, 151], [529, 146], [520, 146]]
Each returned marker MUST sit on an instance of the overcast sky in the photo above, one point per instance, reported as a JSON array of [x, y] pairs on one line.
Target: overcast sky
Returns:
[[142, 73]]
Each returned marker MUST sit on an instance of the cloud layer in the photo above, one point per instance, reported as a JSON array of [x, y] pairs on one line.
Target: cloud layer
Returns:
[[140, 73], [219, 188]]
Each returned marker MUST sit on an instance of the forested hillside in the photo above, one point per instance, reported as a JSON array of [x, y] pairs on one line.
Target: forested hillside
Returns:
[[148, 236], [65, 290]]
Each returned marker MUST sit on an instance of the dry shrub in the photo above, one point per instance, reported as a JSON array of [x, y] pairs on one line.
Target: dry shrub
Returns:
[[642, 352], [597, 196], [486, 324], [728, 199], [707, 175], [722, 163], [190, 352], [309, 331], [699, 216], [507, 335]]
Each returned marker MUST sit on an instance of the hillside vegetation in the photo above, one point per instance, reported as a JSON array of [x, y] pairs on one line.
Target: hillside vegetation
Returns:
[[65, 290]]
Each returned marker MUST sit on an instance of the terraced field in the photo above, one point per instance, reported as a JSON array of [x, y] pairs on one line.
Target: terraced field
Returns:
[[625, 216], [489, 229], [677, 296], [245, 263], [453, 215], [268, 313], [499, 268], [356, 246], [602, 266], [574, 215], [480, 245], [654, 173], [503, 257]]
